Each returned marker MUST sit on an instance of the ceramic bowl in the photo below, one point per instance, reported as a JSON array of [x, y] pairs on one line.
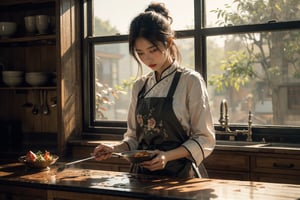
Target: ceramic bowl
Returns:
[[7, 29], [13, 81], [38, 164], [138, 156], [12, 73], [12, 78], [36, 78]]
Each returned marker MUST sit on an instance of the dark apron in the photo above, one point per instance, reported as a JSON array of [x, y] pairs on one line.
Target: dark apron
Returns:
[[159, 128]]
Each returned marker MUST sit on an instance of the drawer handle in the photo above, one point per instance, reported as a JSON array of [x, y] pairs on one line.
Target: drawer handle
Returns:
[[283, 166]]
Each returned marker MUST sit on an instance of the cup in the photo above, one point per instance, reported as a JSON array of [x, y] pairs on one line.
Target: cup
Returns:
[[42, 23], [30, 24]]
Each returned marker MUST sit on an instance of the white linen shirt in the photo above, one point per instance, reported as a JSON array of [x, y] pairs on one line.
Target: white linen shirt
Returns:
[[190, 104]]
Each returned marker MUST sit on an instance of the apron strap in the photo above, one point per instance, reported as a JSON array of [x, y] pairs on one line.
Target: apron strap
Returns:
[[174, 84], [142, 91], [200, 171]]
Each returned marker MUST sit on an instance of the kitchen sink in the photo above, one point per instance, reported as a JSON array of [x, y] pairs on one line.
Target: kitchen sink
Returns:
[[258, 144], [282, 145], [240, 143]]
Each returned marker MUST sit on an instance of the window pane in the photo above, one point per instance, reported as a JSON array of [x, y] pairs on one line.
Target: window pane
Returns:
[[258, 72], [113, 66], [114, 16], [115, 71], [242, 12]]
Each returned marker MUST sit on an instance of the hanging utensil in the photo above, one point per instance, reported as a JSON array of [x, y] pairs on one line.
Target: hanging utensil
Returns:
[[27, 102], [53, 101], [45, 108], [35, 109]]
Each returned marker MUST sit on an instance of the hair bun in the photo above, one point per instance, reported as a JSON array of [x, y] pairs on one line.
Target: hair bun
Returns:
[[161, 9]]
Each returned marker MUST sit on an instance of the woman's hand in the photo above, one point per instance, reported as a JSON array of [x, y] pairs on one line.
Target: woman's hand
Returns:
[[157, 163], [160, 161], [102, 152]]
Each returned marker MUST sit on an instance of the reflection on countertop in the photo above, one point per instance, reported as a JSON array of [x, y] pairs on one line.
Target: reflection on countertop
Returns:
[[134, 186]]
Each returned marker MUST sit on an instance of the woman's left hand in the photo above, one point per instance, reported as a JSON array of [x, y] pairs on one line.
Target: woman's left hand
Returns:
[[157, 163]]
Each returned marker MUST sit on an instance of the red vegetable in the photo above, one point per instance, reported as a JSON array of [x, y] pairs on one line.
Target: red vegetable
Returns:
[[47, 156], [30, 156]]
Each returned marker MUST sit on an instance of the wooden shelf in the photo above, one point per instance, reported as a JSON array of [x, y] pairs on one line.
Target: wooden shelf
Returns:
[[33, 53], [48, 37], [18, 2], [29, 88]]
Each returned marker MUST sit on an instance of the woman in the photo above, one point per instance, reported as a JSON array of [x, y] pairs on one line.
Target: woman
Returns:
[[169, 110]]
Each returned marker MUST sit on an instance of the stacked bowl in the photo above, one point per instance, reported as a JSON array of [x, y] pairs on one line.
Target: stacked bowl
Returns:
[[37, 78], [13, 78]]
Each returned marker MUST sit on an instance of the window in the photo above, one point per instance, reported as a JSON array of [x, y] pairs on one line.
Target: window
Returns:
[[247, 51]]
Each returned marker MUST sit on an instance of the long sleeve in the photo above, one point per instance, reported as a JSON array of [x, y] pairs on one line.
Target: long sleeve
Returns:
[[199, 125]]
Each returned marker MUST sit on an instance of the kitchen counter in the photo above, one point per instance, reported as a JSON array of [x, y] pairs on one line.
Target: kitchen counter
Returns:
[[230, 160], [224, 145], [122, 185], [258, 147]]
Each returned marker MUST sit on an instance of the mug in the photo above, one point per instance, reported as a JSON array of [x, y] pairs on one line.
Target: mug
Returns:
[[42, 23], [30, 24]]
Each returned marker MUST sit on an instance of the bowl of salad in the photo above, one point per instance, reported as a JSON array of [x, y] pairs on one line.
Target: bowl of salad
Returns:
[[39, 159]]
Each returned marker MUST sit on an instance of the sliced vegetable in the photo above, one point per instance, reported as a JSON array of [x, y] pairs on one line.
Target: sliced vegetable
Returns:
[[39, 156], [47, 155], [31, 157]]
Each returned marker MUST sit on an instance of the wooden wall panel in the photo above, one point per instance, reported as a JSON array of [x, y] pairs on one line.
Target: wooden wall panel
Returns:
[[70, 72]]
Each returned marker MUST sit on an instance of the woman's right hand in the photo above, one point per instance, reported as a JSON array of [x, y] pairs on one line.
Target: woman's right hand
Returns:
[[102, 152]]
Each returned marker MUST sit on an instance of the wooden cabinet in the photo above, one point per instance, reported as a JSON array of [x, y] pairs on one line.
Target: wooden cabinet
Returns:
[[56, 51], [65, 195], [224, 165], [276, 168], [254, 166], [21, 193], [28, 53], [28, 193]]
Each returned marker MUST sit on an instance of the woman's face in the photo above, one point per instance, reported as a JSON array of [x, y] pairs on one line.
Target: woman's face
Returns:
[[157, 58]]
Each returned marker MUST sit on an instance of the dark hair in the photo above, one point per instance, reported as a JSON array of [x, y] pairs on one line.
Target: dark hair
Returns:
[[155, 26]]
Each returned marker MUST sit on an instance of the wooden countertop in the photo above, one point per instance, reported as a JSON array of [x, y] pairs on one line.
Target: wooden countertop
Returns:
[[141, 186], [220, 145]]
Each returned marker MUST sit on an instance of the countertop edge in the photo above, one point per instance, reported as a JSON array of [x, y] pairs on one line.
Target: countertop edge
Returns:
[[277, 150]]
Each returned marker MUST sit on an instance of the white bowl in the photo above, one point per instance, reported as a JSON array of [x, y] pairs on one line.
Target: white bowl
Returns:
[[13, 81], [7, 29], [12, 73], [36, 78]]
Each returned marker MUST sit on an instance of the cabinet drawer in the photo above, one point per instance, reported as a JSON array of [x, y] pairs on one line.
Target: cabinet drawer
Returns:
[[229, 175], [21, 193], [278, 178], [276, 165], [228, 161]]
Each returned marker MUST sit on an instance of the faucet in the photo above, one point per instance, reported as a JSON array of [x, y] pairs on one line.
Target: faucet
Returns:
[[224, 116], [224, 122]]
